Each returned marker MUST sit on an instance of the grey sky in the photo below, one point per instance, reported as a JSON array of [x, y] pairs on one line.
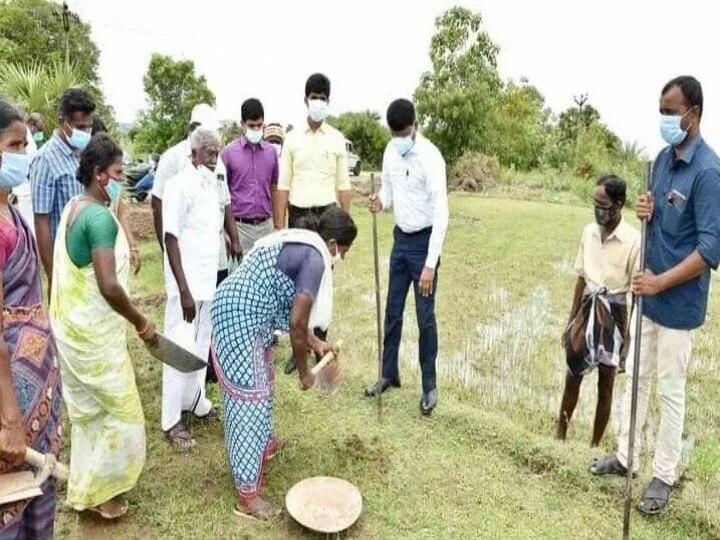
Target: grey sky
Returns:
[[618, 51]]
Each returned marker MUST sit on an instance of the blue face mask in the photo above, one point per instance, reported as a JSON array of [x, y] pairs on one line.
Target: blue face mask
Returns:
[[671, 129], [403, 145], [79, 139], [13, 170], [39, 137], [114, 190]]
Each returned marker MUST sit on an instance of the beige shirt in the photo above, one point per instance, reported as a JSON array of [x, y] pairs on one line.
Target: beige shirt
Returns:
[[314, 166], [611, 263]]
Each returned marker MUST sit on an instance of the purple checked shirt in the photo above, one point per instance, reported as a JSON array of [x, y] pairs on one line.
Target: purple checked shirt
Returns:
[[251, 171]]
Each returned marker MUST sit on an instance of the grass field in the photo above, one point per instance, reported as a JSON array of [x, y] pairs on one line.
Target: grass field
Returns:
[[484, 465]]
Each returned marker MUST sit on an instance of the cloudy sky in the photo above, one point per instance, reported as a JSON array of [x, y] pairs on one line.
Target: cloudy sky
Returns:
[[618, 51]]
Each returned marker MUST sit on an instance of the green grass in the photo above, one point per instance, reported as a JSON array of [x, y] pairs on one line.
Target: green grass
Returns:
[[484, 465]]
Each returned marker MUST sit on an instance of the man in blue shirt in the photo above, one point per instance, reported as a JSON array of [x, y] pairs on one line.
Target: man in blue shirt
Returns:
[[52, 173], [683, 244]]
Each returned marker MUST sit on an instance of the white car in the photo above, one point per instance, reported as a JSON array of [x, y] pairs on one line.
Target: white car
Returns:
[[354, 164]]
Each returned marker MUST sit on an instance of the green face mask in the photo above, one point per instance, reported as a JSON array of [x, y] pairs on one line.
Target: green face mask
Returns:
[[39, 137]]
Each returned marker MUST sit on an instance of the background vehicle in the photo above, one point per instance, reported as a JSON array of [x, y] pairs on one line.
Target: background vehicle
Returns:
[[354, 163]]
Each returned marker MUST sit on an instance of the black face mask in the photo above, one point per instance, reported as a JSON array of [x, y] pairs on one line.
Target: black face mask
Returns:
[[605, 216]]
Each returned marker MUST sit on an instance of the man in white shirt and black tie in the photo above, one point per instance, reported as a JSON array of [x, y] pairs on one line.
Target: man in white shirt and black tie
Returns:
[[414, 184]]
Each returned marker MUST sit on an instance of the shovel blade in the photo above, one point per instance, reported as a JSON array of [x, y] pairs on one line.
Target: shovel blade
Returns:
[[174, 355]]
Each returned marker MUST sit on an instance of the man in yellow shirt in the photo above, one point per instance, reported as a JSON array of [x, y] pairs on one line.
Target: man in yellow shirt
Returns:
[[313, 168]]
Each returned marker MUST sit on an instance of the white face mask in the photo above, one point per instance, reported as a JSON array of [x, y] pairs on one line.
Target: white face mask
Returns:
[[254, 135], [278, 148], [317, 110]]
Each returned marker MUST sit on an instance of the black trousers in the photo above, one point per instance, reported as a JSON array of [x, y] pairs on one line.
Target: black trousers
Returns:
[[210, 376], [296, 213]]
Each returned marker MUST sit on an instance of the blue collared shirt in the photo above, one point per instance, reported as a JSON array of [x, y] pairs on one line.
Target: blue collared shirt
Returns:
[[53, 180], [686, 218]]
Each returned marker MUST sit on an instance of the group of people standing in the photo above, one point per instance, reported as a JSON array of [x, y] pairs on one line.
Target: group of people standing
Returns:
[[250, 234]]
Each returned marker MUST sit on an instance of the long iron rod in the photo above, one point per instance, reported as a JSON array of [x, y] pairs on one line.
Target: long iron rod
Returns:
[[635, 372], [378, 304]]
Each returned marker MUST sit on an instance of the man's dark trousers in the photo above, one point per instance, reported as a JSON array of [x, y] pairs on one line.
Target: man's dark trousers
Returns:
[[407, 260]]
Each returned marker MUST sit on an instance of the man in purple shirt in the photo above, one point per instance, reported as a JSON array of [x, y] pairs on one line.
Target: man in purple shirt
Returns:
[[252, 173]]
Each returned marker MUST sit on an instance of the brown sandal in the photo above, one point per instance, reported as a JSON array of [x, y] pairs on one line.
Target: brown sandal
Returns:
[[180, 437], [113, 509]]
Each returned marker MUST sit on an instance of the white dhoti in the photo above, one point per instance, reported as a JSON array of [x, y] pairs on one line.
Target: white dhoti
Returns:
[[186, 391]]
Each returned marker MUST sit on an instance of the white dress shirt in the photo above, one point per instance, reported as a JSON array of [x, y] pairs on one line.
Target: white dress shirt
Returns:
[[190, 213], [415, 185], [173, 160]]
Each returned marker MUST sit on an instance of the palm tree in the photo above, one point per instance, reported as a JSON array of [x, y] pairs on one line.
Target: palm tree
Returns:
[[37, 87], [631, 151]]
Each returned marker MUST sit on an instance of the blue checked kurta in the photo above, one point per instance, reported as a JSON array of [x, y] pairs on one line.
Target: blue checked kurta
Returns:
[[255, 300], [53, 181]]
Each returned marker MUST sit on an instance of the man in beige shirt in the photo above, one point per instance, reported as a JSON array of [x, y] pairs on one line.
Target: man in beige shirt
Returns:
[[313, 168], [596, 335]]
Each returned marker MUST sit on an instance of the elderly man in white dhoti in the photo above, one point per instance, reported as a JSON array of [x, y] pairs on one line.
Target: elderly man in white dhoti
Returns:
[[191, 226]]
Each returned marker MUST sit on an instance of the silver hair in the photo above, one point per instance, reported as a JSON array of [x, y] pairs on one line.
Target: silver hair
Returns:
[[202, 138]]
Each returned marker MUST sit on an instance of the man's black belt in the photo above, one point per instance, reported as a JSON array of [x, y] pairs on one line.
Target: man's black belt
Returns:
[[317, 210], [426, 230], [253, 220]]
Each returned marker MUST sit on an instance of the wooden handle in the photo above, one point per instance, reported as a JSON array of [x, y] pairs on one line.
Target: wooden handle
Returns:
[[329, 357], [37, 460]]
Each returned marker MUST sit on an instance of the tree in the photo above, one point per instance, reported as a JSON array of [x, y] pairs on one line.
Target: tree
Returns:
[[37, 87], [576, 119], [367, 134], [32, 34], [172, 89], [229, 131], [31, 31], [518, 125], [455, 99]]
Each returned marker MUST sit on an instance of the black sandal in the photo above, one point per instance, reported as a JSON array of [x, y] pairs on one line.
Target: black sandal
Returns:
[[608, 465], [180, 437], [656, 498]]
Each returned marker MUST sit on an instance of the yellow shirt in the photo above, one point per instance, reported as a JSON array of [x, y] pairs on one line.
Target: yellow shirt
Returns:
[[611, 263], [314, 166]]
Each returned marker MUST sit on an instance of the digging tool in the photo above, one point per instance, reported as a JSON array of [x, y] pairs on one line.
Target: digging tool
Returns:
[[378, 304], [174, 355], [22, 485], [636, 371], [328, 372]]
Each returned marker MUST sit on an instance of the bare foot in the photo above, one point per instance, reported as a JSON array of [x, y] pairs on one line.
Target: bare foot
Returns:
[[257, 508]]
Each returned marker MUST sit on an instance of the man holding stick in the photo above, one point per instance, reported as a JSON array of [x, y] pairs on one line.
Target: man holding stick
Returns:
[[414, 183], [683, 244]]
